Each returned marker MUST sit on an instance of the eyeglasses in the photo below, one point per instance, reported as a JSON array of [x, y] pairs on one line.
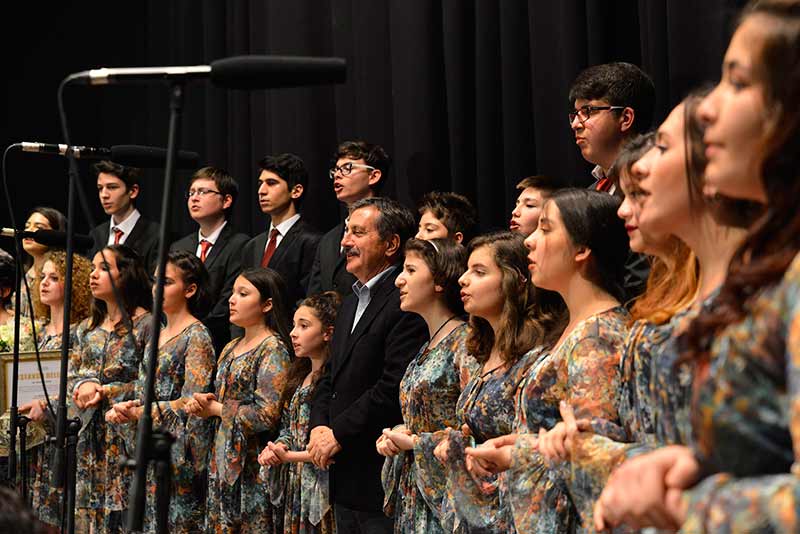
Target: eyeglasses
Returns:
[[585, 112], [200, 191], [347, 168]]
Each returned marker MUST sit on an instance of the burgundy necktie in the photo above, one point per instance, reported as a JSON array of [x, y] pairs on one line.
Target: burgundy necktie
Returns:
[[204, 246], [271, 246], [117, 235]]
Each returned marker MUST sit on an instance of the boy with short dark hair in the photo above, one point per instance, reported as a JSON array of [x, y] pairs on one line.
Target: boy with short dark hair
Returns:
[[289, 244], [118, 188], [210, 199]]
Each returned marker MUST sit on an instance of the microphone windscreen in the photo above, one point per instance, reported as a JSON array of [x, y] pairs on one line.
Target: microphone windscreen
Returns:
[[263, 72], [151, 157], [55, 238]]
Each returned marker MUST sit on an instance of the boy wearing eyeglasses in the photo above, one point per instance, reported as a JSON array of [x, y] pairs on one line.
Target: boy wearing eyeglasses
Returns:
[[359, 171], [611, 103], [289, 244], [117, 189], [210, 198]]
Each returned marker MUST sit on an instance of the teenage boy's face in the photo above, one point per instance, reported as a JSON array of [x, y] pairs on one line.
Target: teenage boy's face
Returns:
[[599, 136], [274, 195], [115, 196], [211, 204], [356, 185]]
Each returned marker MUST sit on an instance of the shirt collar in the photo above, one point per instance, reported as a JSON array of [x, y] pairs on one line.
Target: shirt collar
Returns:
[[214, 235], [358, 287], [285, 226], [127, 225], [598, 172]]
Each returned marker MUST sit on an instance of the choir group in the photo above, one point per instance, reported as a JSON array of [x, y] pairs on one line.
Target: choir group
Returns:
[[621, 357]]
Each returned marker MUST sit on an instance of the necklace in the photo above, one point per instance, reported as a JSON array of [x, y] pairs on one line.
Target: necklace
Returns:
[[440, 328]]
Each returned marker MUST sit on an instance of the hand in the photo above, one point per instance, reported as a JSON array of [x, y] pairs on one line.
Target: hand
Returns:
[[555, 445], [35, 410], [268, 456], [491, 457], [280, 450], [88, 395], [204, 405], [402, 439], [322, 445], [638, 495], [385, 446]]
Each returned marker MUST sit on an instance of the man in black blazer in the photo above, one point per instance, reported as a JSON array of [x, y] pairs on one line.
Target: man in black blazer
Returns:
[[210, 198], [289, 244], [372, 344], [118, 187], [359, 172]]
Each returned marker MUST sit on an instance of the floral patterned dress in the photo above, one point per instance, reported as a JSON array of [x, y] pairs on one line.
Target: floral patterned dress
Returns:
[[45, 499], [249, 387], [746, 419], [299, 490], [185, 366], [112, 359], [414, 486], [584, 371], [486, 406]]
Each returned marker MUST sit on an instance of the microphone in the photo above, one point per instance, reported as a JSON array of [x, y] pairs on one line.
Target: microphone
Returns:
[[129, 155], [80, 152], [51, 238], [238, 72]]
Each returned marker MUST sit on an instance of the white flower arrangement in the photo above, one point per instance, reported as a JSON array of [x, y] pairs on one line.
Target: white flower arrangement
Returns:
[[26, 341]]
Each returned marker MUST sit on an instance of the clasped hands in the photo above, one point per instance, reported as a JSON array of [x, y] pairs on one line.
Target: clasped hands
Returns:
[[273, 454], [35, 410], [393, 441], [322, 445], [203, 405], [88, 395], [124, 412]]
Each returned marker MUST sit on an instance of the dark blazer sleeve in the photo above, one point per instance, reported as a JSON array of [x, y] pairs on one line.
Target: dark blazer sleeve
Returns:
[[310, 250], [314, 278], [406, 334], [233, 266]]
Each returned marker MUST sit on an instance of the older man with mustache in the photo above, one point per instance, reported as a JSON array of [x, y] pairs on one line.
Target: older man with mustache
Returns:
[[372, 344]]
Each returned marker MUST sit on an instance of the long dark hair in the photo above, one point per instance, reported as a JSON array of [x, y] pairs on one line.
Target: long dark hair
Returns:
[[193, 272], [531, 316], [133, 285], [774, 239], [325, 306], [590, 219], [270, 285]]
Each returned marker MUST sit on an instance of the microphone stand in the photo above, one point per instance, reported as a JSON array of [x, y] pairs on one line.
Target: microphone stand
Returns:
[[64, 459], [13, 409], [154, 445]]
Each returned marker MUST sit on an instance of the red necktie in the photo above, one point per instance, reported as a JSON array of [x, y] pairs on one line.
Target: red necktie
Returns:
[[271, 246], [204, 246], [603, 185], [117, 235]]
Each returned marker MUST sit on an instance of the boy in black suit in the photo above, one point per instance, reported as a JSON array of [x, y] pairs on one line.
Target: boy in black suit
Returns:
[[289, 244], [210, 199], [118, 187], [359, 172]]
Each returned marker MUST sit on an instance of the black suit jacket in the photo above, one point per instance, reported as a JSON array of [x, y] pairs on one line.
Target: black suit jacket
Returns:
[[143, 239], [224, 263], [358, 393], [292, 259], [329, 272]]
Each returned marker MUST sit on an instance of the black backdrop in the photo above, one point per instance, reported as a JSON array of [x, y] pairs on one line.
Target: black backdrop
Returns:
[[466, 95]]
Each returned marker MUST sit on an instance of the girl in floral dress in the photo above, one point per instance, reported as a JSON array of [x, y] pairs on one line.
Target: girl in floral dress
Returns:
[[185, 366], [245, 405], [431, 385], [298, 489]]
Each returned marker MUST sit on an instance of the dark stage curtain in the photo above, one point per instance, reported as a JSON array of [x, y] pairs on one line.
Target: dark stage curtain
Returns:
[[466, 95]]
